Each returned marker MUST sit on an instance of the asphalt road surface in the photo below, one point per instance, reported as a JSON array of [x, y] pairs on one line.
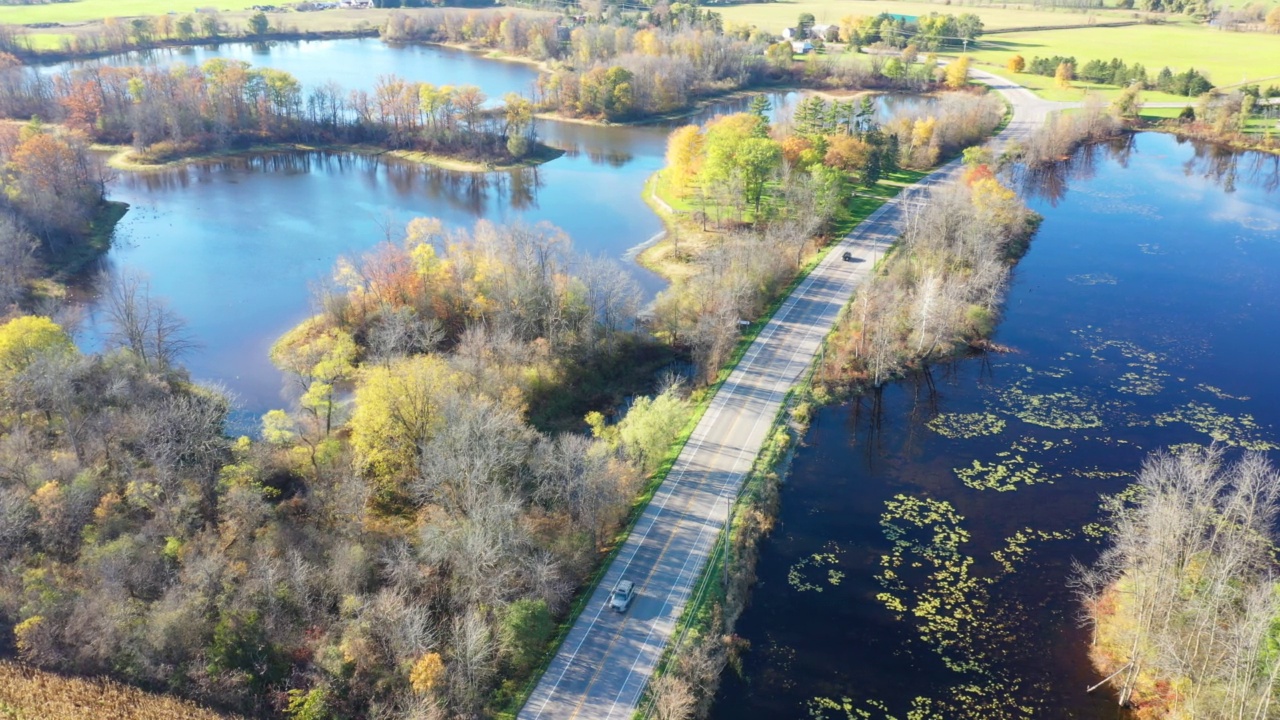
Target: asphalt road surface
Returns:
[[605, 662]]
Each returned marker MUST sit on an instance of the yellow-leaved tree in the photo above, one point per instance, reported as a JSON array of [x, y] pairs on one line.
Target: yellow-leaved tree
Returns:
[[26, 339], [426, 673], [958, 73], [319, 356], [1063, 76], [684, 156], [397, 407]]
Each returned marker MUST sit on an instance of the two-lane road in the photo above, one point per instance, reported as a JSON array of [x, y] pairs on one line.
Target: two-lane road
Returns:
[[606, 661]]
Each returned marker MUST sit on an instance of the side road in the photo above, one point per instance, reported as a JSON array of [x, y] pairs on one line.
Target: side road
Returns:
[[607, 658]]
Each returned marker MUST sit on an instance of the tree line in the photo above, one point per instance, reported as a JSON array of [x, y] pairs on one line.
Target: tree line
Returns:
[[185, 110], [1189, 82], [931, 32], [400, 540]]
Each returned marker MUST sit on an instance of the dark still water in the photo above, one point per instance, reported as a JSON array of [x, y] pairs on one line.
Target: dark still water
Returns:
[[921, 555], [235, 245]]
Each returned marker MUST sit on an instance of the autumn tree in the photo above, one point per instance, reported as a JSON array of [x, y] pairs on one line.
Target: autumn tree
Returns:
[[25, 340], [1185, 596], [55, 182], [397, 410], [1016, 64], [1063, 76], [957, 73], [144, 324], [427, 673], [684, 156]]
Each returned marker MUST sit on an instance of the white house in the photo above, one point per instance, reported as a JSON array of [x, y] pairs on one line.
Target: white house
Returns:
[[824, 31], [801, 47]]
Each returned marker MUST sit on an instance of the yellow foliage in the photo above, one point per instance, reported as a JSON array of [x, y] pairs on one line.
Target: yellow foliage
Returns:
[[314, 350], [922, 132], [1063, 76], [426, 673], [958, 73], [23, 631], [991, 197], [684, 156], [25, 339], [397, 407]]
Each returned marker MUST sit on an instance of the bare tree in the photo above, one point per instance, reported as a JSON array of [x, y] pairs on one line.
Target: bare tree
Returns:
[[145, 325], [17, 260]]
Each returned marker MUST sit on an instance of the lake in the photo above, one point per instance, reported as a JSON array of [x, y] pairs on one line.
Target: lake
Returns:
[[1143, 317], [235, 245]]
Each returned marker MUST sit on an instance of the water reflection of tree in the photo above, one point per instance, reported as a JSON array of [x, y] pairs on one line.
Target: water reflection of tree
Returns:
[[470, 192], [523, 187], [1219, 164], [1051, 181], [1225, 166]]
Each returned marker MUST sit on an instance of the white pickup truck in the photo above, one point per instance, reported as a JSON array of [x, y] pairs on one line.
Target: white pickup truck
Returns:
[[623, 593]]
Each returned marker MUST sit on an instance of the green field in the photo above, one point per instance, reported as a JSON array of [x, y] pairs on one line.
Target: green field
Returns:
[[1047, 89], [85, 10], [777, 15], [1226, 58]]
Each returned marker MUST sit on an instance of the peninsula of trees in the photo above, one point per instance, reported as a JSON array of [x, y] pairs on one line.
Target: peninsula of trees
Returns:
[[181, 112], [1184, 602]]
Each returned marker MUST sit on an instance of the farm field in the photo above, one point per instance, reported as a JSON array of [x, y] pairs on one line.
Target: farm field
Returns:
[[85, 10], [1226, 57], [777, 15], [30, 694]]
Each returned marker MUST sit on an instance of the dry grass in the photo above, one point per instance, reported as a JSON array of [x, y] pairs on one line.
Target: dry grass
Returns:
[[30, 694]]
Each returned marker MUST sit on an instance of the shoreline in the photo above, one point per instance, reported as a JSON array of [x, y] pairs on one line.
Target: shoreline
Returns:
[[121, 158], [1233, 144]]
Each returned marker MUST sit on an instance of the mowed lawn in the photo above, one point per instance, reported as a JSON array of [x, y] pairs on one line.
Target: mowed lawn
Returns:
[[776, 15], [85, 10], [1226, 58]]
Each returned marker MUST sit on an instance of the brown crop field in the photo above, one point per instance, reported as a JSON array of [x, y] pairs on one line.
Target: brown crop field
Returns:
[[30, 694]]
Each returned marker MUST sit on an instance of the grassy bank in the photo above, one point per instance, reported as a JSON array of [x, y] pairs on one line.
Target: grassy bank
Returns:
[[123, 158], [66, 21]]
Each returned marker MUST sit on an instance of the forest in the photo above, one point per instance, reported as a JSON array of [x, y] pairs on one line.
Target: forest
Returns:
[[400, 540]]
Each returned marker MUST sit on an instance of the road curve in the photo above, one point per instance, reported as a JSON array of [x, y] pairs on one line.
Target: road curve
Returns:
[[606, 660]]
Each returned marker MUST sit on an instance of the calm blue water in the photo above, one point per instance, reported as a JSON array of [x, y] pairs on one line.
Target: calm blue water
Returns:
[[235, 246], [1143, 316]]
